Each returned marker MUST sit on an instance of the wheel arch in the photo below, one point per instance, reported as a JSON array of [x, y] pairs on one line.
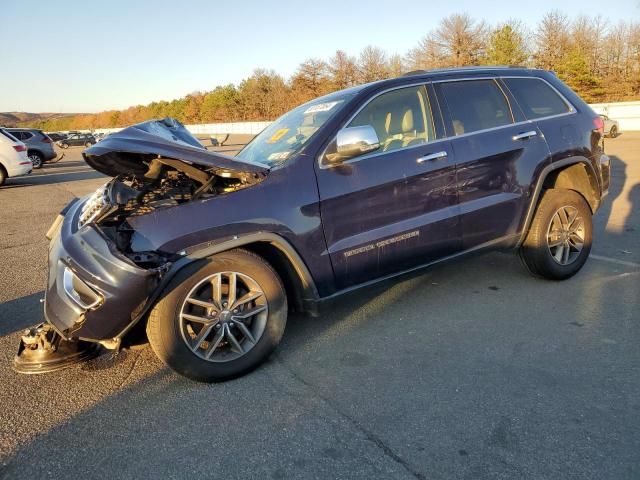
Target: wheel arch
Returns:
[[35, 150], [277, 251], [573, 173]]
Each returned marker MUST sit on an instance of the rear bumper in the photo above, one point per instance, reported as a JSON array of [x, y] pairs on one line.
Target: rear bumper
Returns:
[[24, 168], [93, 291]]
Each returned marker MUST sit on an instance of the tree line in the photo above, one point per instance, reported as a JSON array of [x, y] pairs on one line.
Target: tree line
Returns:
[[600, 61]]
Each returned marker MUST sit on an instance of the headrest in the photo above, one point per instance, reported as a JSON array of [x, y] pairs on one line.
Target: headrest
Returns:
[[407, 121]]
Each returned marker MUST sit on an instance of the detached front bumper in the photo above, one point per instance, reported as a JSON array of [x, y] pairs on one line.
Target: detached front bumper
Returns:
[[94, 292]]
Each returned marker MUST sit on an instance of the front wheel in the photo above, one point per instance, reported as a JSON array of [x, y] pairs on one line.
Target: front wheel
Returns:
[[559, 240], [220, 318]]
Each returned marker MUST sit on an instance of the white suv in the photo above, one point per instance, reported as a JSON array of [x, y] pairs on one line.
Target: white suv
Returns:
[[13, 157]]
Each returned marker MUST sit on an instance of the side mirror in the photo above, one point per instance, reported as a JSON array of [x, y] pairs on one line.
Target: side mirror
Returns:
[[352, 142]]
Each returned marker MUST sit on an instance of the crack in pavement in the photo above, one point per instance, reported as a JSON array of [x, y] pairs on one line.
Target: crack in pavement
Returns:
[[369, 435]]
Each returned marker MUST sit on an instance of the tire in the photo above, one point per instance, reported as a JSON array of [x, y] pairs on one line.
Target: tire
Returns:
[[613, 133], [88, 144], [174, 337], [540, 254], [3, 175], [36, 159], [64, 145]]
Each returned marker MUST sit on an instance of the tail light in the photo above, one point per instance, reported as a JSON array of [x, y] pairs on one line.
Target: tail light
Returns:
[[46, 139], [598, 122], [20, 148]]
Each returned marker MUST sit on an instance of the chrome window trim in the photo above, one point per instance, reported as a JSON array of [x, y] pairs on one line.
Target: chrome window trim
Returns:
[[423, 83], [572, 110]]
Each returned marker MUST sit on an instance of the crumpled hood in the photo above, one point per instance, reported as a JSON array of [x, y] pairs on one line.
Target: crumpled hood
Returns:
[[126, 151]]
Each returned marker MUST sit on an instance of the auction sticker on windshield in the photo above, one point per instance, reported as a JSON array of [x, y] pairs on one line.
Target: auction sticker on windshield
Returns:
[[320, 107]]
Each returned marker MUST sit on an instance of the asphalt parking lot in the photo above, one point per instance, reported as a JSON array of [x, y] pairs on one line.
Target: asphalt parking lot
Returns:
[[473, 369]]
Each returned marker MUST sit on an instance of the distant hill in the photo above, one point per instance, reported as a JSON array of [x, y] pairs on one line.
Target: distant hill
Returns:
[[13, 119]]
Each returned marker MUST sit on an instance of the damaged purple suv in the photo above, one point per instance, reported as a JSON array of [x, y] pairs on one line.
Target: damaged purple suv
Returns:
[[212, 251]]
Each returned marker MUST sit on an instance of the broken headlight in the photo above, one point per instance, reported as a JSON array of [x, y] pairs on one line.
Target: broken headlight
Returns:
[[96, 205]]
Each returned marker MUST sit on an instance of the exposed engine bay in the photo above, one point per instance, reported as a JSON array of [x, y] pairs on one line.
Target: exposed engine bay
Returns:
[[167, 183]]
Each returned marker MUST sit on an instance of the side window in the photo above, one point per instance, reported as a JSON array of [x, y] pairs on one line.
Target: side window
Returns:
[[26, 135], [401, 118], [536, 98], [475, 105], [17, 135]]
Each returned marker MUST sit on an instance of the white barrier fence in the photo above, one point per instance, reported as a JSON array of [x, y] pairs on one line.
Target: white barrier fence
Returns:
[[626, 113]]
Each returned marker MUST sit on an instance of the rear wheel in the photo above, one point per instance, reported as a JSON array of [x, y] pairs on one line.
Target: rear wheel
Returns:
[[3, 175], [36, 159], [559, 240], [221, 318], [613, 132]]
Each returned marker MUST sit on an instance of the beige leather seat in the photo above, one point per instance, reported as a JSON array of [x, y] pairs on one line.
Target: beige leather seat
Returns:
[[400, 130]]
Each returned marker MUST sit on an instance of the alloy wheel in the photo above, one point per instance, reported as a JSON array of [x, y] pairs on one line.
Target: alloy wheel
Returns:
[[36, 161], [223, 316], [565, 235]]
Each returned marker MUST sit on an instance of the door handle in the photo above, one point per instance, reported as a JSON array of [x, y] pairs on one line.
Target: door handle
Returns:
[[525, 135], [432, 156]]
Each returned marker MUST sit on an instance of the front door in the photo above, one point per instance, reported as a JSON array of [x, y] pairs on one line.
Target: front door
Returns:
[[394, 208]]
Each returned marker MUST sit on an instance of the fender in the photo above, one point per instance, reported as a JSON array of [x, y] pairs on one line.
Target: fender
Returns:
[[205, 250], [540, 182]]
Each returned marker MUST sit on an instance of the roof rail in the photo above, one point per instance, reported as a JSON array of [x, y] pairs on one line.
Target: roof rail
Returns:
[[461, 69]]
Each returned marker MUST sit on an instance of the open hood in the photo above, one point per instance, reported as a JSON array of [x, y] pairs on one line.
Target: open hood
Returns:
[[130, 150]]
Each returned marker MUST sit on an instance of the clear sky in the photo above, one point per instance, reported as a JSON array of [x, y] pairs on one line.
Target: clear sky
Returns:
[[79, 56]]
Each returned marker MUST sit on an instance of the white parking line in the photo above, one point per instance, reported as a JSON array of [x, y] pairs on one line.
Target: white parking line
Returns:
[[615, 260]]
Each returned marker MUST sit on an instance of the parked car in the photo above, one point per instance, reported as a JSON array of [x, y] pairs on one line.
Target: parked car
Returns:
[[77, 139], [350, 189], [56, 136], [14, 161], [611, 127], [39, 145]]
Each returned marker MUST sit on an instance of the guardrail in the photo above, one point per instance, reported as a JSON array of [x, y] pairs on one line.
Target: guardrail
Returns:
[[626, 113]]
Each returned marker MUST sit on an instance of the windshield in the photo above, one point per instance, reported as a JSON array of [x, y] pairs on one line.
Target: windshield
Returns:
[[287, 135]]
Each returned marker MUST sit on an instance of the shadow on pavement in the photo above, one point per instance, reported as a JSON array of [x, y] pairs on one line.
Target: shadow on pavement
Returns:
[[49, 179], [20, 313]]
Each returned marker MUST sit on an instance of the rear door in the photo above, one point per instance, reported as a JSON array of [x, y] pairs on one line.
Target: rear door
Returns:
[[395, 208], [497, 152]]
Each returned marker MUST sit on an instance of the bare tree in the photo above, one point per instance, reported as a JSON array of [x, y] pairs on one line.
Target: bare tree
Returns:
[[372, 65], [458, 41], [343, 70], [396, 66], [552, 40], [310, 80]]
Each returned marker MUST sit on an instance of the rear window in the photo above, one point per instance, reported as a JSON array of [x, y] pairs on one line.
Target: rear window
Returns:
[[475, 105], [536, 98], [8, 135]]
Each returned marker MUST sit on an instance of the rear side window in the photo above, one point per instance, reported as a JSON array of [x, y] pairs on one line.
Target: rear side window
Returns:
[[17, 135], [475, 105], [26, 135], [536, 98]]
